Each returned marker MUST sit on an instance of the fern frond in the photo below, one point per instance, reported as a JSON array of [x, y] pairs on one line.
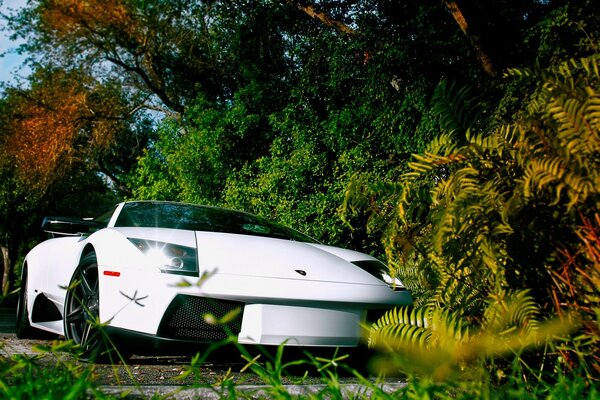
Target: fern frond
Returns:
[[406, 324], [456, 107], [423, 328], [511, 310]]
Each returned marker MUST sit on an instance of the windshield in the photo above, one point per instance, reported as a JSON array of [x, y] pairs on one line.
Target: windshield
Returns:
[[105, 217], [203, 218]]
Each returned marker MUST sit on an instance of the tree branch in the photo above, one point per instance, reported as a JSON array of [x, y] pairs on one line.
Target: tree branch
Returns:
[[322, 17], [482, 56]]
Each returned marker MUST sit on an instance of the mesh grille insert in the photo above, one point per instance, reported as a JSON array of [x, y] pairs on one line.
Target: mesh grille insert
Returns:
[[185, 319]]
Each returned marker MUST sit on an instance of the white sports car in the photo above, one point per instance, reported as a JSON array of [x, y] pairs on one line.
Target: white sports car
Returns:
[[150, 273]]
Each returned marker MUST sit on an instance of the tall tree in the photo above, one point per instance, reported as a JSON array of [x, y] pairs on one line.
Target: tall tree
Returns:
[[162, 48], [63, 128]]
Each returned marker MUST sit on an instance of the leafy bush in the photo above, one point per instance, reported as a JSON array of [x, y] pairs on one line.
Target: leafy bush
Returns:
[[487, 215]]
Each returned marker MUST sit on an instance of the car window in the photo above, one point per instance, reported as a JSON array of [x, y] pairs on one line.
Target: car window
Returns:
[[104, 218], [203, 218]]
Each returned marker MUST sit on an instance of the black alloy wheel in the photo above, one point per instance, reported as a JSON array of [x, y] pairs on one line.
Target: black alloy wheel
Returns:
[[82, 310]]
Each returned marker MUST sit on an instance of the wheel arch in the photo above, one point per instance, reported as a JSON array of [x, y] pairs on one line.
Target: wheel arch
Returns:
[[89, 248]]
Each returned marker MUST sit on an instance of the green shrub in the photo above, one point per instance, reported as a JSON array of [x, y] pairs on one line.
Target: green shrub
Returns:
[[487, 217]]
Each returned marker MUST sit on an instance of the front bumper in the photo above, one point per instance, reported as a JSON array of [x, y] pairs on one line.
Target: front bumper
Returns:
[[190, 321]]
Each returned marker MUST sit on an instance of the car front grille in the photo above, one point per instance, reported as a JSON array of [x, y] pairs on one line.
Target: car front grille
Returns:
[[192, 318]]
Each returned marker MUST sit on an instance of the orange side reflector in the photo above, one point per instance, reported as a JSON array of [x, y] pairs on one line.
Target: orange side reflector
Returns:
[[112, 273]]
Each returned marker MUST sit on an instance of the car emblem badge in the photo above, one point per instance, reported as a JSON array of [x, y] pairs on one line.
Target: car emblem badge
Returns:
[[301, 272]]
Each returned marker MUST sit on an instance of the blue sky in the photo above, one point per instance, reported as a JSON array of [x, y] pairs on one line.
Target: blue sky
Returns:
[[9, 64]]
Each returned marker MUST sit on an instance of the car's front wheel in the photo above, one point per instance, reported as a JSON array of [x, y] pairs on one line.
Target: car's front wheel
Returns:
[[82, 311]]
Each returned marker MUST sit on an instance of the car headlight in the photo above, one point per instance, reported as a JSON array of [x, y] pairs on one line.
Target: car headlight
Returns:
[[169, 258], [380, 271]]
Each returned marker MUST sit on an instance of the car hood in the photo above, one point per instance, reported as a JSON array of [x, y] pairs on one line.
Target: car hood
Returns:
[[256, 256], [276, 258]]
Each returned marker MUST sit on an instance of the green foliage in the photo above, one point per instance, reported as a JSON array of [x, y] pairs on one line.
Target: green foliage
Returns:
[[559, 386], [503, 209], [418, 327], [50, 375], [436, 342]]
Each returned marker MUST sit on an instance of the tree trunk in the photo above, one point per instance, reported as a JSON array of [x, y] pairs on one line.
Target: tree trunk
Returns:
[[6, 271], [471, 33]]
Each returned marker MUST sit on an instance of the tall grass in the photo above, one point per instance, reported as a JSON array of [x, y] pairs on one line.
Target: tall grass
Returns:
[[54, 373]]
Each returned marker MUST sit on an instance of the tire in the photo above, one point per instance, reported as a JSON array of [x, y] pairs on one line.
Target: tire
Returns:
[[23, 328], [81, 314]]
